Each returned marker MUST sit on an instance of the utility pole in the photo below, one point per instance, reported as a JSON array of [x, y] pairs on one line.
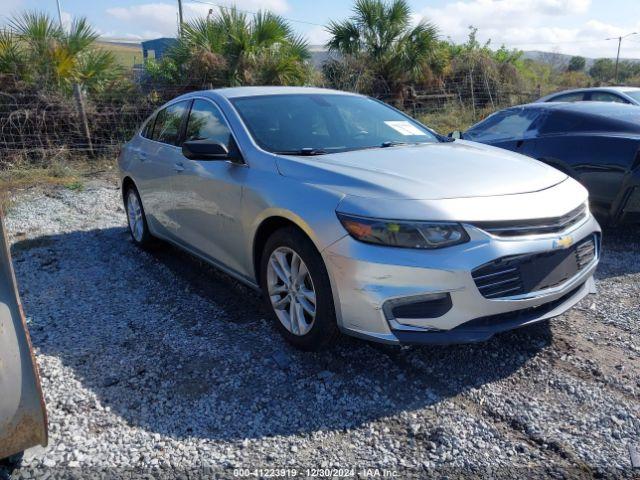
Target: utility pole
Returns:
[[77, 95], [180, 19], [615, 75], [59, 13]]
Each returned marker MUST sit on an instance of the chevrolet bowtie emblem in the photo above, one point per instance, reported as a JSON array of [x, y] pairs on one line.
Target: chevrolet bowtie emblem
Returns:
[[563, 242]]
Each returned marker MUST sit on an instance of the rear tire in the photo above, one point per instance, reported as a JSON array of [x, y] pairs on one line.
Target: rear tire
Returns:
[[297, 291], [136, 218]]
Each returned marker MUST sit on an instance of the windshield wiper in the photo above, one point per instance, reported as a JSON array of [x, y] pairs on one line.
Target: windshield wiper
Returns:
[[392, 143], [305, 152]]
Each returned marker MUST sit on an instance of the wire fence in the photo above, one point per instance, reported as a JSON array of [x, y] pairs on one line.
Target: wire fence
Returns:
[[37, 125]]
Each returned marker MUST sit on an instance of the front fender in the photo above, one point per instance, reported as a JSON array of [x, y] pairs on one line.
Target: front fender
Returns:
[[310, 207]]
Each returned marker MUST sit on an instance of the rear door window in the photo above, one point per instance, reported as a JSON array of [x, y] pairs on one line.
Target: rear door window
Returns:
[[560, 123], [606, 97], [169, 122], [568, 97]]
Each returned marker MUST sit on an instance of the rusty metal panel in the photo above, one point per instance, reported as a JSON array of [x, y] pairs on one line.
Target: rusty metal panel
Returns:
[[23, 418]]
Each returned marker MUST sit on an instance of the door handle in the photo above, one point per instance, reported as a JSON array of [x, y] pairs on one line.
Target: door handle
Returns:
[[142, 156], [178, 167]]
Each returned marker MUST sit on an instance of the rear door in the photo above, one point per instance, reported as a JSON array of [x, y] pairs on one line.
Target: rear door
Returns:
[[155, 160], [208, 193]]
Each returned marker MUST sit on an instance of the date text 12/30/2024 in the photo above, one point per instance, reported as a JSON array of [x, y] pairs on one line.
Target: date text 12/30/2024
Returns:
[[314, 473]]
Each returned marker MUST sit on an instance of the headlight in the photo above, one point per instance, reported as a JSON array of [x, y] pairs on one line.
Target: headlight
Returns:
[[423, 235]]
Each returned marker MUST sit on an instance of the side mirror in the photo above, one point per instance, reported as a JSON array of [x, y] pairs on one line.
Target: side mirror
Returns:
[[205, 150], [456, 134]]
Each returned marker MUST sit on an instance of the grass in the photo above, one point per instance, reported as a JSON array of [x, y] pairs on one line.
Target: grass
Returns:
[[75, 185], [454, 117], [71, 174], [126, 55]]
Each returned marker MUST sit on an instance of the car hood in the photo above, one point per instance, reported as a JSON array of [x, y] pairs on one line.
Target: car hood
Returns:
[[427, 171]]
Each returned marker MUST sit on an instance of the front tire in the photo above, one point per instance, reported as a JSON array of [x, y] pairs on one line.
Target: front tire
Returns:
[[297, 290], [136, 218]]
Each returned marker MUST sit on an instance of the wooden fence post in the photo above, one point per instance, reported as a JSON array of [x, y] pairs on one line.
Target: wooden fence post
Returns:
[[82, 114]]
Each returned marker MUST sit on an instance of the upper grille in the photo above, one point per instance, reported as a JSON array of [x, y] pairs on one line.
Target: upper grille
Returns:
[[521, 274], [534, 227]]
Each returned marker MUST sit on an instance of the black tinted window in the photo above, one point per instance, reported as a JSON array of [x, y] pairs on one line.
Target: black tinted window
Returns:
[[168, 121], [606, 97], [568, 97], [206, 122], [613, 120], [503, 125], [561, 122]]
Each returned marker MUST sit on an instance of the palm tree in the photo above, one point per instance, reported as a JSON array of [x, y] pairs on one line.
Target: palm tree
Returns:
[[11, 55], [59, 57], [381, 35], [233, 49]]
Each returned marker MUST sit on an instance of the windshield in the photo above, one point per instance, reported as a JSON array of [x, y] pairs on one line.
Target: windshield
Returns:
[[635, 94], [315, 123]]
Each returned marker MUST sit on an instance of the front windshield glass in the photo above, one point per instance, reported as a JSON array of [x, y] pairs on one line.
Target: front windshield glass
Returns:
[[635, 94], [318, 123]]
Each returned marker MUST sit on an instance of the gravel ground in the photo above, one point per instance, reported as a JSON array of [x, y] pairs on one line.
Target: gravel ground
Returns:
[[157, 361]]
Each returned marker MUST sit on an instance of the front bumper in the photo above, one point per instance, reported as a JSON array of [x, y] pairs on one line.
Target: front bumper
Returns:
[[367, 278]]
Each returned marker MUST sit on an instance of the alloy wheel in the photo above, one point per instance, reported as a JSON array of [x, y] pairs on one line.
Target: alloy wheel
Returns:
[[291, 291], [134, 212]]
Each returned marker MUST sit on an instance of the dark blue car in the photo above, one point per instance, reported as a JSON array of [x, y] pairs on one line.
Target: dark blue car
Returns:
[[597, 143]]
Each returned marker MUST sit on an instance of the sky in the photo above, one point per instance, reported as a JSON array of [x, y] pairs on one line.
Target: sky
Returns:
[[576, 27]]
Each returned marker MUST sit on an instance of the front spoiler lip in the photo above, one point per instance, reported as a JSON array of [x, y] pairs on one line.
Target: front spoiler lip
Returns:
[[462, 334]]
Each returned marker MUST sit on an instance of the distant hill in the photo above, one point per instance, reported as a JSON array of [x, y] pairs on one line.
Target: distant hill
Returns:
[[127, 52], [561, 60]]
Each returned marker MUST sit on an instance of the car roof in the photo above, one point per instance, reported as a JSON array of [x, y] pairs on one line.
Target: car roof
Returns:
[[239, 92], [594, 89], [593, 108]]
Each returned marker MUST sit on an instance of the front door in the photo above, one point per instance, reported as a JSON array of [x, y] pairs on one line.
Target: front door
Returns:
[[208, 193]]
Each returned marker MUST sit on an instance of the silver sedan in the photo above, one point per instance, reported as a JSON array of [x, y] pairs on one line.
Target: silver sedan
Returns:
[[351, 216]]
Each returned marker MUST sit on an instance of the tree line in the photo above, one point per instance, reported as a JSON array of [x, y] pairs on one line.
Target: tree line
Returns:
[[378, 50]]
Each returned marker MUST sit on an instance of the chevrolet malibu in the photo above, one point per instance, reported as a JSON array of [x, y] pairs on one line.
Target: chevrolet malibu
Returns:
[[351, 216]]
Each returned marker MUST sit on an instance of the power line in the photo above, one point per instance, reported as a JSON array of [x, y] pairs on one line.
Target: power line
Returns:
[[254, 13]]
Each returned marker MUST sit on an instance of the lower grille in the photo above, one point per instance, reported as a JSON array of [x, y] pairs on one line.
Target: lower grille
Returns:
[[522, 274], [518, 315]]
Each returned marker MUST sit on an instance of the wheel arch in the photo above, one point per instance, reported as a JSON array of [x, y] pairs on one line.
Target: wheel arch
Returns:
[[127, 182], [267, 226]]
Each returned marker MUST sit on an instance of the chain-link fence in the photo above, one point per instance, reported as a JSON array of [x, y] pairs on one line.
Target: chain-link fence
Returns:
[[36, 125]]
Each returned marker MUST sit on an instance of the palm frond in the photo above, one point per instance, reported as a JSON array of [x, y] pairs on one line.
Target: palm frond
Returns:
[[345, 37], [81, 35], [12, 56]]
